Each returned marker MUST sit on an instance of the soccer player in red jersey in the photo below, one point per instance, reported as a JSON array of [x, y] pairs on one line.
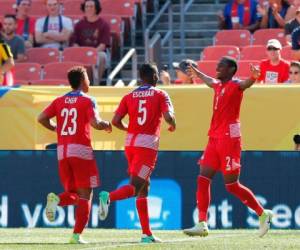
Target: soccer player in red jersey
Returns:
[[145, 107], [223, 150], [75, 112]]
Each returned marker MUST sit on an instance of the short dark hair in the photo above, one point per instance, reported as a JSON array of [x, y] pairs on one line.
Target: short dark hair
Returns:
[[296, 139], [75, 76], [97, 6], [231, 62], [147, 71], [11, 16]]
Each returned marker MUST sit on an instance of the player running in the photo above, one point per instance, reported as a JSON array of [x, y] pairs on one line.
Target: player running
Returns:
[[145, 107], [223, 150], [74, 112]]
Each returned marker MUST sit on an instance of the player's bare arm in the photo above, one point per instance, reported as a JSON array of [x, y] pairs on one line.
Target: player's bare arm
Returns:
[[119, 123], [255, 73], [99, 124], [194, 73], [170, 119], [46, 122]]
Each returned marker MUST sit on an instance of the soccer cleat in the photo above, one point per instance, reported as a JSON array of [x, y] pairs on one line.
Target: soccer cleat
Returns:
[[103, 205], [77, 239], [150, 239], [265, 222], [51, 207], [200, 229]]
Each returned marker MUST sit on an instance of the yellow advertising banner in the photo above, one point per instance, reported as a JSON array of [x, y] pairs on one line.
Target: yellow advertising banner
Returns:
[[270, 116]]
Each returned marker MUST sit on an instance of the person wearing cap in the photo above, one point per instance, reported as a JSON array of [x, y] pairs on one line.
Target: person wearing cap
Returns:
[[25, 23], [294, 72], [274, 69], [181, 73]]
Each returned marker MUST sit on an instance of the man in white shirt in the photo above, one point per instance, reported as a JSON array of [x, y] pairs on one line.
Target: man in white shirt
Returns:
[[54, 30]]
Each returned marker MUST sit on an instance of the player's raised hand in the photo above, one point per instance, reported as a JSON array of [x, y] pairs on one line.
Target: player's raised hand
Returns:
[[255, 71], [108, 129], [192, 71]]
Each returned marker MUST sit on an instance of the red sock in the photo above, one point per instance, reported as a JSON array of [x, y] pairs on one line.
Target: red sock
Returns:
[[82, 215], [245, 195], [67, 198], [203, 197], [142, 208], [122, 193]]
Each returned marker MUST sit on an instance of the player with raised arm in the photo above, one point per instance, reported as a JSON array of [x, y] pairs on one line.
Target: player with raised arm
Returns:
[[75, 112], [145, 107], [223, 151]]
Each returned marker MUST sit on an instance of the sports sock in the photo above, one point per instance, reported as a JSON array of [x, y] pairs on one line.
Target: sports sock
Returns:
[[245, 195], [67, 198], [203, 197], [82, 215], [142, 208], [122, 193]]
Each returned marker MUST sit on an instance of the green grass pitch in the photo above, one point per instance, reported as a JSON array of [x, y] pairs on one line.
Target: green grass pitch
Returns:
[[44, 239]]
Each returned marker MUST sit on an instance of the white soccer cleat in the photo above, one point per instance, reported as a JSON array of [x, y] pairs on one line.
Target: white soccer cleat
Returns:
[[200, 229], [265, 222], [51, 207], [103, 205]]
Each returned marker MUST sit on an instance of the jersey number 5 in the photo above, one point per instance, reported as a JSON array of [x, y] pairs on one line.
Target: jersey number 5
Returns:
[[142, 110], [66, 113]]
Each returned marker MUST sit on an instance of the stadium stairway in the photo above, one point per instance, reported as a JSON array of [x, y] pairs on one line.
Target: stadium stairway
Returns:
[[201, 24]]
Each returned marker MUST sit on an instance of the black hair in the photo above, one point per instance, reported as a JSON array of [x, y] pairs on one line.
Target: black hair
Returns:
[[11, 16], [76, 76], [97, 6], [296, 139], [231, 62], [147, 73]]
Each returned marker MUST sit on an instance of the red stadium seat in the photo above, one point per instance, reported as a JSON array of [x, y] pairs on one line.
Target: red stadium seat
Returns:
[[72, 7], [58, 70], [84, 55], [286, 53], [237, 38], [216, 52], [243, 71], [38, 8], [27, 72], [261, 37], [124, 8], [7, 7], [42, 55], [50, 82], [256, 52], [208, 67]]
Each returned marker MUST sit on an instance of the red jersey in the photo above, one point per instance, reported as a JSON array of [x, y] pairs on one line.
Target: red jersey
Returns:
[[73, 113], [145, 107], [225, 121], [274, 73], [25, 27]]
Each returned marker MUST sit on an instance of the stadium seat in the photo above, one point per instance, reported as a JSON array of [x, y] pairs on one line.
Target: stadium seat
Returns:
[[50, 82], [72, 7], [27, 72], [7, 7], [286, 53], [261, 37], [216, 52], [38, 8], [237, 38], [243, 71], [208, 67], [124, 8], [84, 55], [42, 55], [58, 70], [256, 52]]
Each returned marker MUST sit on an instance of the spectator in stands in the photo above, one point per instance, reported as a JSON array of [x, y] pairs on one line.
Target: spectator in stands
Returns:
[[54, 30], [296, 140], [15, 42], [181, 75], [93, 31], [291, 13], [295, 37], [25, 23], [6, 63], [240, 14], [273, 13], [294, 73], [274, 69], [291, 25]]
